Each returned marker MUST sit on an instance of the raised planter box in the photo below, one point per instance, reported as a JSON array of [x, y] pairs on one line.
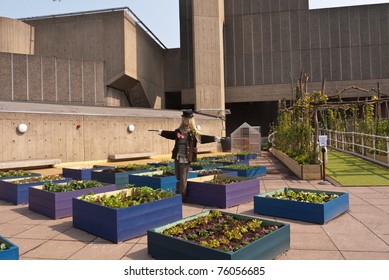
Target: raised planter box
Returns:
[[165, 247], [252, 172], [58, 205], [302, 211], [220, 172], [246, 156], [222, 196], [147, 179], [120, 179], [302, 171], [18, 193], [81, 173], [210, 166], [12, 253], [122, 224], [158, 164]]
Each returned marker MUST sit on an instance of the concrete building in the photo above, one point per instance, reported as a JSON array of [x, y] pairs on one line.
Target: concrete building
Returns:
[[241, 55]]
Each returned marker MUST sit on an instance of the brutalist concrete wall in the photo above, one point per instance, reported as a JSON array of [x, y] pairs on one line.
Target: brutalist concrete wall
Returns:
[[51, 79], [16, 36], [268, 42]]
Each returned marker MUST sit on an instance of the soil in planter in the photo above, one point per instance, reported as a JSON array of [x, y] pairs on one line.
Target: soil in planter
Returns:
[[165, 174], [38, 179], [207, 172], [220, 231], [121, 169]]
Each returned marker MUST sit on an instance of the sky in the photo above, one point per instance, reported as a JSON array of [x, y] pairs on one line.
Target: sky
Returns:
[[160, 16]]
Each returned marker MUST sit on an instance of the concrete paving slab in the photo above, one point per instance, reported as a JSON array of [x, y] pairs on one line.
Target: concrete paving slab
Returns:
[[363, 255], [358, 242], [294, 254], [55, 250], [102, 251], [312, 241]]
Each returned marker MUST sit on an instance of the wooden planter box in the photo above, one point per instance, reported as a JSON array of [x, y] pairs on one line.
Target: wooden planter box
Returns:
[[122, 224], [165, 247], [222, 196], [18, 193], [81, 173], [146, 179], [58, 205], [303, 211], [12, 253], [119, 179], [302, 171], [252, 172]]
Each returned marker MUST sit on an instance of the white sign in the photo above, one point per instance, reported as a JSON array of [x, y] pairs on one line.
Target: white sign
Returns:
[[323, 140]]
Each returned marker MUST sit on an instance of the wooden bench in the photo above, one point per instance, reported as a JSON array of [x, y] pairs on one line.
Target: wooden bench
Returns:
[[116, 157], [12, 164]]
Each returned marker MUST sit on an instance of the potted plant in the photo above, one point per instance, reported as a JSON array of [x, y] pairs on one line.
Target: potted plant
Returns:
[[16, 190], [12, 174], [124, 214], [54, 200], [217, 235], [246, 170], [222, 191], [8, 250], [119, 174], [299, 204], [81, 172], [162, 178]]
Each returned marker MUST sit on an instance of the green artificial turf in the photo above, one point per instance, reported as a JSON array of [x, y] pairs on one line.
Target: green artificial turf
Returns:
[[353, 171]]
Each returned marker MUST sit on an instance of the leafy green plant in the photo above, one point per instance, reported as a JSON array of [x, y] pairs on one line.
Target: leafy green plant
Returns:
[[303, 196], [225, 180], [70, 186], [221, 231], [240, 166], [38, 179], [129, 197], [3, 246], [14, 173]]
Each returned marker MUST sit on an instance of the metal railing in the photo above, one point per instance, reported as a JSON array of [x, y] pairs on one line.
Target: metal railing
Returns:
[[371, 147]]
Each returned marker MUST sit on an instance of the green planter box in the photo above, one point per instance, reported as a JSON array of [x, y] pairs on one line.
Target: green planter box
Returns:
[[164, 247]]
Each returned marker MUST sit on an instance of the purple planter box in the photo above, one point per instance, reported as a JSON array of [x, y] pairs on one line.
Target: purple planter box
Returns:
[[122, 224], [252, 172], [303, 211], [58, 205], [247, 156], [18, 193], [81, 173], [12, 253], [164, 247], [222, 196]]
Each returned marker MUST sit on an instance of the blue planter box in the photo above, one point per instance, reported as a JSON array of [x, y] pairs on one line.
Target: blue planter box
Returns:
[[242, 161], [146, 179], [164, 247], [120, 179], [158, 164], [18, 193], [12, 253], [122, 224], [213, 166], [222, 196], [247, 156], [81, 173], [302, 211], [252, 172], [58, 205]]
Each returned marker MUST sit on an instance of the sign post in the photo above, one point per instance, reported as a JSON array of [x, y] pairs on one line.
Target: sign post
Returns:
[[323, 144]]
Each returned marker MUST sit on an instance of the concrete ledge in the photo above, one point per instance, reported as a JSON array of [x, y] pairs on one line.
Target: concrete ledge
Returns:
[[205, 150], [29, 163], [116, 157]]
